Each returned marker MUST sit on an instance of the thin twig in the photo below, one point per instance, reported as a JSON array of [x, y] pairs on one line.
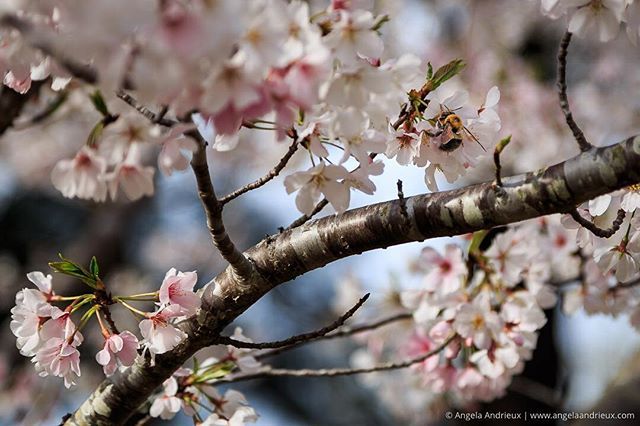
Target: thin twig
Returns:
[[562, 94], [150, 115], [241, 266], [342, 332], [306, 217], [266, 178], [599, 232], [45, 113], [300, 338], [332, 372], [496, 159]]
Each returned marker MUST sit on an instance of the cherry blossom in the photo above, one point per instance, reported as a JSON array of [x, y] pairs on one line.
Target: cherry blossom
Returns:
[[354, 35], [159, 335], [81, 177], [598, 18], [240, 417], [447, 272], [135, 179], [319, 180], [167, 405], [26, 319], [59, 356], [119, 350], [177, 290]]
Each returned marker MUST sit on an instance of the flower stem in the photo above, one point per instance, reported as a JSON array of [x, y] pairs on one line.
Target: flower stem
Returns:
[[131, 308]]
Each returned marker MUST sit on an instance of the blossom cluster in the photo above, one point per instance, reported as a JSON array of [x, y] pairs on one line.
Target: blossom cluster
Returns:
[[612, 265], [51, 338], [322, 77], [189, 389], [48, 334], [599, 19], [480, 313]]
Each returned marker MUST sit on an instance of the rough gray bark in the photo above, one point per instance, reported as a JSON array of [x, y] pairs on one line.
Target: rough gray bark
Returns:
[[283, 257]]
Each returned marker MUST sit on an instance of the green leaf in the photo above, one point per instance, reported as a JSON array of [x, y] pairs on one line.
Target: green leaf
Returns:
[[93, 268], [94, 136], [98, 102], [446, 72], [429, 71], [72, 269], [216, 371], [478, 236]]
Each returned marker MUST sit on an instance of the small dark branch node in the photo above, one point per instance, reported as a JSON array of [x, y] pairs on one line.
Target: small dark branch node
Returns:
[[599, 232], [403, 202], [298, 339], [562, 94]]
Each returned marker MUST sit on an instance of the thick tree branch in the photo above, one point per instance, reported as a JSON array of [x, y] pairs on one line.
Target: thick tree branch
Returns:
[[280, 258], [298, 339]]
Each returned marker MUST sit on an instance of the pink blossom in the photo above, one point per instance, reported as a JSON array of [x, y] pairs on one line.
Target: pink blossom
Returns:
[[240, 417], [42, 281], [478, 322], [119, 349], [173, 143], [30, 312], [135, 180], [59, 356], [159, 335], [321, 179], [177, 289], [445, 272], [168, 404], [81, 177], [353, 35]]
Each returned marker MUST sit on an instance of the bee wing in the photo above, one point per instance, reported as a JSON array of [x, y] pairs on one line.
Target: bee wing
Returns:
[[472, 136]]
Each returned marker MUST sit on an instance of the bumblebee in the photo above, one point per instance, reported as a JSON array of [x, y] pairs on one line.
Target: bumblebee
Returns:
[[449, 125]]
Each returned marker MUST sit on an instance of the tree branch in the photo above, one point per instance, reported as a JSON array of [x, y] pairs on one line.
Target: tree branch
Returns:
[[562, 93], [307, 217], [298, 339], [240, 265], [593, 228], [333, 372], [12, 103], [343, 332], [150, 115], [266, 178], [280, 258]]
